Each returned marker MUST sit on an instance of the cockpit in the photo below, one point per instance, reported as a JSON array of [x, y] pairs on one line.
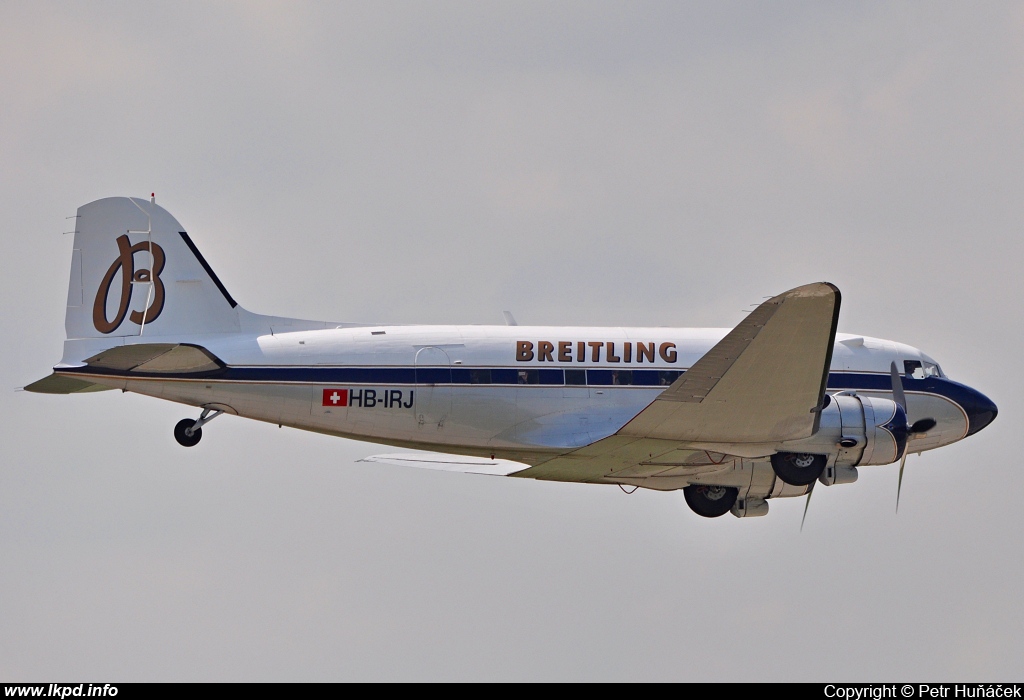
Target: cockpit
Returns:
[[921, 369]]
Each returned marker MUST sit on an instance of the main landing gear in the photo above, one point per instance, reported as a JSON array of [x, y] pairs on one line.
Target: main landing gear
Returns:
[[189, 432], [710, 501], [798, 469]]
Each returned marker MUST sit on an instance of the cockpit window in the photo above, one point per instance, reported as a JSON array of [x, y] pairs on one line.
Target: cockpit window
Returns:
[[919, 370]]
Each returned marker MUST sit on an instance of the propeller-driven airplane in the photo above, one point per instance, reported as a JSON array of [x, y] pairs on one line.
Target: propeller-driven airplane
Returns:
[[733, 418]]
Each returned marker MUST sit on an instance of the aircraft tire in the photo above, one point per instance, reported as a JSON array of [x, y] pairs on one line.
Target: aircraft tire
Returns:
[[798, 469], [710, 501], [187, 440]]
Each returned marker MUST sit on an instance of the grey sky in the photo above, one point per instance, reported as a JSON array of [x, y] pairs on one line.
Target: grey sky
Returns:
[[575, 162]]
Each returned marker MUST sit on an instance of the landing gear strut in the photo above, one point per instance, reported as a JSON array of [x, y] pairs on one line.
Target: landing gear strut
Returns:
[[189, 432]]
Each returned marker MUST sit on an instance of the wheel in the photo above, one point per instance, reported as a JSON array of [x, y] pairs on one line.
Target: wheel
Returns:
[[798, 469], [710, 501], [184, 439]]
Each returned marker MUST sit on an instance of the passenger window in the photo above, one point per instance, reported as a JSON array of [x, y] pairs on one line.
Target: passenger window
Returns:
[[622, 377], [529, 376], [666, 378], [480, 376], [504, 376], [575, 377], [645, 377], [552, 376]]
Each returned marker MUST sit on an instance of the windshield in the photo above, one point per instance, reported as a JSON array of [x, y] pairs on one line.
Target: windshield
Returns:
[[919, 369]]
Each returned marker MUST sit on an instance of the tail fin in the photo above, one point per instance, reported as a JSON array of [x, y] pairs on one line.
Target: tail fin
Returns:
[[135, 272]]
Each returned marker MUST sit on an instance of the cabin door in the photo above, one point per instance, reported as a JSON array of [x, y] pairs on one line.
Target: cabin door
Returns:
[[433, 399]]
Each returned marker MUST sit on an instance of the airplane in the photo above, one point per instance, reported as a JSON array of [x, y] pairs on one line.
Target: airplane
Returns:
[[732, 417]]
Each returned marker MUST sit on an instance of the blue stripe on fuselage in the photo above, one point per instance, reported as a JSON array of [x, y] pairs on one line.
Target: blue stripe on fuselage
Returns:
[[980, 409], [504, 376]]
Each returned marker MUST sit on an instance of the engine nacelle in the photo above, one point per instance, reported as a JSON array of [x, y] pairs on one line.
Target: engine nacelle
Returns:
[[857, 431]]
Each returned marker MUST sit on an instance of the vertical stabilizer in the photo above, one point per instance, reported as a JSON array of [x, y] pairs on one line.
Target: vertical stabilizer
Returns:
[[135, 272]]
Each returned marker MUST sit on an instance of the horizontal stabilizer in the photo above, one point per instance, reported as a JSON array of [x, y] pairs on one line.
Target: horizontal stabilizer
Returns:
[[156, 358], [57, 384], [450, 463]]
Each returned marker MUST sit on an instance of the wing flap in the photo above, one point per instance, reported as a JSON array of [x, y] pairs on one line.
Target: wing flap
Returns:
[[616, 458]]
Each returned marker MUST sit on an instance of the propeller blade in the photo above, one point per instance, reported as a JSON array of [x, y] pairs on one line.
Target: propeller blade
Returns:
[[899, 485], [897, 387], [807, 504]]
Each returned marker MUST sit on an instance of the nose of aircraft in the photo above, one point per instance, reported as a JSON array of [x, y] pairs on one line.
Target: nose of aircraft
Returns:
[[980, 410]]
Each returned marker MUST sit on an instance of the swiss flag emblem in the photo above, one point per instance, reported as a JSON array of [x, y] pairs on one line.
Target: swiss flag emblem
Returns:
[[335, 397]]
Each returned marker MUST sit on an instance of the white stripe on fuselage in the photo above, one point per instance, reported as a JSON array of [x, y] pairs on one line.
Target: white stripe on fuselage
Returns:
[[495, 346]]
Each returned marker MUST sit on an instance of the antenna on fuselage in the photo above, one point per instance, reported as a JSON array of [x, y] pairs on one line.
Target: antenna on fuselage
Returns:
[[509, 318]]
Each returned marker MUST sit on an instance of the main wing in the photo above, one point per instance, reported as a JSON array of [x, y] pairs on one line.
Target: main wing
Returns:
[[763, 383]]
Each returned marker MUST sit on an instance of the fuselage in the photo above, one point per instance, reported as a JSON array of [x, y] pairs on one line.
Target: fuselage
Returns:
[[519, 392], [732, 417]]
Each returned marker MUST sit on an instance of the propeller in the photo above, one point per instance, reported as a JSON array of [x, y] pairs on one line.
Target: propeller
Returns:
[[906, 431], [807, 504], [902, 430]]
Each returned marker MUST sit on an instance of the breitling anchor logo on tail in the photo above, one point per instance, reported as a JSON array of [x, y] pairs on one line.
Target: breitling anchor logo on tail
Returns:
[[125, 263]]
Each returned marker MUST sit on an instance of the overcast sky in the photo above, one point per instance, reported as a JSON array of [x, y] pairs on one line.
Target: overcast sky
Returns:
[[576, 163]]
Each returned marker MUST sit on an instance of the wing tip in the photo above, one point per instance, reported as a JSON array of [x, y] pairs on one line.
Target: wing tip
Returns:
[[835, 291], [466, 464], [814, 289]]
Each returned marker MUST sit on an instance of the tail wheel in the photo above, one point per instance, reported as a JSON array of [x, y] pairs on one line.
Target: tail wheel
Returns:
[[798, 469], [186, 435], [710, 501]]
